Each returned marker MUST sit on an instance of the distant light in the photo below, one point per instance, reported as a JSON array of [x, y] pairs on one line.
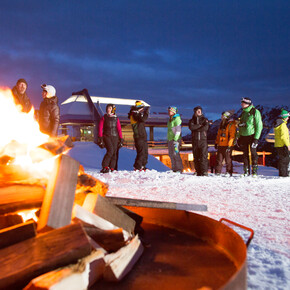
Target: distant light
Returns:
[[190, 157]]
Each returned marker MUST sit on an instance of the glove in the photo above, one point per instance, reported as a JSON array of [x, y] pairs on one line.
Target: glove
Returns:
[[100, 142], [229, 149], [120, 143], [176, 146], [242, 124], [215, 146], [146, 109], [255, 144]]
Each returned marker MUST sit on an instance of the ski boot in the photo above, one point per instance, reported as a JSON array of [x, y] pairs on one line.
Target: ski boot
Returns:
[[228, 174], [255, 170], [105, 170], [246, 172]]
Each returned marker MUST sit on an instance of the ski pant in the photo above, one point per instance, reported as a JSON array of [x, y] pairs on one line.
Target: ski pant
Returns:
[[200, 152], [245, 142], [142, 153], [283, 160], [110, 158], [222, 154], [176, 161]]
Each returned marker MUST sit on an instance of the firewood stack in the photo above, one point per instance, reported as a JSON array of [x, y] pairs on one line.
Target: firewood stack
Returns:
[[78, 238]]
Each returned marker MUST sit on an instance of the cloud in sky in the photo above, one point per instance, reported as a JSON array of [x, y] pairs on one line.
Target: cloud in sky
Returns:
[[166, 52]]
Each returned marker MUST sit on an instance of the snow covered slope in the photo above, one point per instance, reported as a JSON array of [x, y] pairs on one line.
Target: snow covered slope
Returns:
[[260, 203]]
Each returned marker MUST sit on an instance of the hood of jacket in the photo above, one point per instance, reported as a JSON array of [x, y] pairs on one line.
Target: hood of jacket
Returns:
[[279, 121]]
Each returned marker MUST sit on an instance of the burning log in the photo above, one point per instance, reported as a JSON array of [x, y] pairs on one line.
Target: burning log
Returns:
[[119, 264], [16, 234], [19, 197], [77, 276], [87, 190], [10, 220], [23, 261], [58, 201]]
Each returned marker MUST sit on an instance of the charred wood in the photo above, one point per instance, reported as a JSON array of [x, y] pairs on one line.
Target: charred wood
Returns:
[[26, 260], [16, 234]]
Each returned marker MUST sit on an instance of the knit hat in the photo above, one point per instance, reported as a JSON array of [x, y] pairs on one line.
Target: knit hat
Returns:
[[22, 81], [139, 104], [226, 114], [50, 90], [247, 101], [197, 108], [172, 109], [284, 114]]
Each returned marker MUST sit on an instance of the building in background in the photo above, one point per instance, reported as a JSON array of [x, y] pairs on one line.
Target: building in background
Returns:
[[77, 119]]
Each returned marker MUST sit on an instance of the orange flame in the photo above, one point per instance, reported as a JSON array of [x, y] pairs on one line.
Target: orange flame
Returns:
[[21, 138], [28, 214]]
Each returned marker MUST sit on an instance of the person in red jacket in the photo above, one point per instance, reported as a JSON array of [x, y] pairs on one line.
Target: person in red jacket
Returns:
[[224, 144], [110, 136]]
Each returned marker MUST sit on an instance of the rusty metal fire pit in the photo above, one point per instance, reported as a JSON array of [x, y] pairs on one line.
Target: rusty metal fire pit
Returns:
[[184, 250]]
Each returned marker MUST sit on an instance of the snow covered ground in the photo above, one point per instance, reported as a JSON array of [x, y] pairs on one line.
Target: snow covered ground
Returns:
[[260, 203]]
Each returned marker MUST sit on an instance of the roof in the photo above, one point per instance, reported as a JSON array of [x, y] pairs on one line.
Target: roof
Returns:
[[76, 110]]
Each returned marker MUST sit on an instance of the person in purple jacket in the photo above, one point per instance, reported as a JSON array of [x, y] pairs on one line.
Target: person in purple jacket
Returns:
[[110, 137]]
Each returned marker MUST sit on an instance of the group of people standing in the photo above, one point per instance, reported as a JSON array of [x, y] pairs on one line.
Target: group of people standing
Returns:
[[110, 136], [245, 133], [48, 115]]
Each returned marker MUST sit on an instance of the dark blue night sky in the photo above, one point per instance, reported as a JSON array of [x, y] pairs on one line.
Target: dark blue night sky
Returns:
[[182, 53]]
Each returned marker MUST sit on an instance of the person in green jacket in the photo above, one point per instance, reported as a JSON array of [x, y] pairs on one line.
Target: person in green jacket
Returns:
[[250, 129], [174, 139], [282, 143]]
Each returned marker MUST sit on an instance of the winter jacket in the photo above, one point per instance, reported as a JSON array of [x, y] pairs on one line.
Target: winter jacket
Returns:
[[49, 116], [226, 134], [174, 128], [138, 116], [110, 126], [22, 100], [198, 127], [251, 122], [281, 133]]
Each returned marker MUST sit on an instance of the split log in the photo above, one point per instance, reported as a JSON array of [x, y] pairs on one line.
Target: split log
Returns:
[[73, 277], [110, 240], [107, 210], [26, 260], [90, 218], [56, 210], [156, 204], [16, 234], [18, 197], [119, 264]]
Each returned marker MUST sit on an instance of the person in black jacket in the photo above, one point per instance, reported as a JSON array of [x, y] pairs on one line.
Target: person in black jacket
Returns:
[[20, 96], [138, 115], [110, 136], [49, 111], [199, 125]]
